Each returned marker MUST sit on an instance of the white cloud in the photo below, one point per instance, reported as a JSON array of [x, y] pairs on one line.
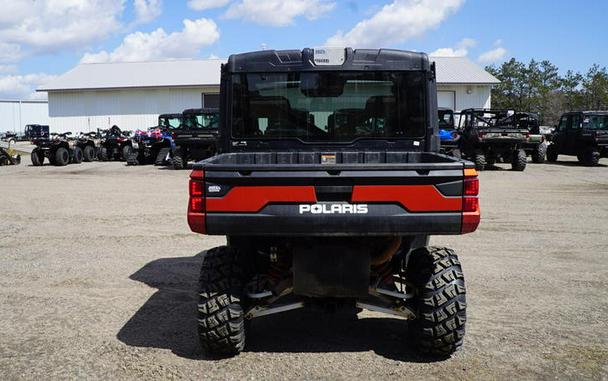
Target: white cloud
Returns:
[[52, 25], [396, 22], [201, 5], [278, 12], [23, 86], [147, 10], [9, 53], [492, 55], [4, 69], [460, 50], [159, 44]]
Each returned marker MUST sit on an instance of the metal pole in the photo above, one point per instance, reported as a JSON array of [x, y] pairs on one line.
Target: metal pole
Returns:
[[20, 124]]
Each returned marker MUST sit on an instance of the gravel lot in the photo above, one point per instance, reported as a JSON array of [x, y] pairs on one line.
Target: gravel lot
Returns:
[[98, 272]]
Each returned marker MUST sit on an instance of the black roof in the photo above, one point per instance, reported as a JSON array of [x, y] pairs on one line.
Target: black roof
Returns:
[[199, 111], [589, 112], [356, 60], [171, 115]]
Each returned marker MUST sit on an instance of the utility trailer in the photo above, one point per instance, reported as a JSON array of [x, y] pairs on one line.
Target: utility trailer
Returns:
[[328, 185]]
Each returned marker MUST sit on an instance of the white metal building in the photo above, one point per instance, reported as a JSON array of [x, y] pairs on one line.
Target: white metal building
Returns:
[[16, 113], [132, 95]]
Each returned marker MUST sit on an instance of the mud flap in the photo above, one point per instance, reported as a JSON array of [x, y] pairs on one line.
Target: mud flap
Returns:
[[331, 271]]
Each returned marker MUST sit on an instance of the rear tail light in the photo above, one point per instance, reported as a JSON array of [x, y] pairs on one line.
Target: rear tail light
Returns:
[[471, 186], [196, 203], [470, 202]]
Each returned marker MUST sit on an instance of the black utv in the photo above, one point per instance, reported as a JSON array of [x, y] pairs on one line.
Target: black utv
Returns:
[[328, 184], [490, 135], [583, 134], [196, 138], [59, 149]]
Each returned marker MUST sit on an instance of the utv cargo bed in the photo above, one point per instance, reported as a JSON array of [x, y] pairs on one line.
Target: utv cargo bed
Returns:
[[331, 193]]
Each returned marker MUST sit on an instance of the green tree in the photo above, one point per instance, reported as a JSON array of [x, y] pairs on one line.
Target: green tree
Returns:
[[595, 88]]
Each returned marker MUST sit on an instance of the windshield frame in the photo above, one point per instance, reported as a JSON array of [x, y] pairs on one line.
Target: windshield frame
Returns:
[[242, 77]]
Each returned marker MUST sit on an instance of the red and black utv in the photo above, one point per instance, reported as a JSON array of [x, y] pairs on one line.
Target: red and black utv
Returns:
[[328, 185]]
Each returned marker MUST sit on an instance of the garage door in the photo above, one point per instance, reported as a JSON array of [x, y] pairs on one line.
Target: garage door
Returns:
[[446, 99]]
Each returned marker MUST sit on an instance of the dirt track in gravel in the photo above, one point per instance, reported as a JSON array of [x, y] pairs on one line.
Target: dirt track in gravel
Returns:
[[98, 272]]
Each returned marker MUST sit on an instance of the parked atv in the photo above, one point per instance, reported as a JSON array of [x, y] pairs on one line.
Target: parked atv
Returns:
[[196, 138], [59, 149], [155, 145], [115, 144], [150, 147], [491, 135], [448, 134], [9, 156], [583, 134], [89, 143]]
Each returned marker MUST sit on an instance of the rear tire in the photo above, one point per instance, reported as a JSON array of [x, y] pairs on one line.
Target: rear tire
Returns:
[[440, 300], [77, 156], [103, 154], [456, 153], [132, 160], [178, 162], [519, 160], [37, 157], [539, 154], [127, 151], [552, 153], [88, 153], [590, 158], [480, 161], [162, 156], [62, 157], [221, 322]]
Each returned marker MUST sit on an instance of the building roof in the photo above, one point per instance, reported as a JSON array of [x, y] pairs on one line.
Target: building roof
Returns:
[[181, 73], [188, 73], [460, 70]]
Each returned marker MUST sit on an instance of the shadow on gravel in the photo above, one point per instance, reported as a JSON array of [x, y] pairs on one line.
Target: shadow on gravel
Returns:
[[573, 164], [168, 321]]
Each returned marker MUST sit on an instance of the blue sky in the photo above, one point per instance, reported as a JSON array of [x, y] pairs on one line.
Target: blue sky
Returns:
[[42, 39]]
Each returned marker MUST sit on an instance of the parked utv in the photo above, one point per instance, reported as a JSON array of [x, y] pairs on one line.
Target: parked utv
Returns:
[[59, 149], [448, 134], [535, 146], [35, 131], [196, 138], [115, 144], [583, 134], [488, 135], [89, 143], [328, 185]]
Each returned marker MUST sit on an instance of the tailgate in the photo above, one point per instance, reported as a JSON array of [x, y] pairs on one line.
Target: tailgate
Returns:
[[332, 200]]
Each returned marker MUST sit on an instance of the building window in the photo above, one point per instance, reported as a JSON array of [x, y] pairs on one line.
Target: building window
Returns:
[[211, 100]]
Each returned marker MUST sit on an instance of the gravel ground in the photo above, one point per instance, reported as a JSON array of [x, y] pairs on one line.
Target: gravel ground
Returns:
[[98, 272]]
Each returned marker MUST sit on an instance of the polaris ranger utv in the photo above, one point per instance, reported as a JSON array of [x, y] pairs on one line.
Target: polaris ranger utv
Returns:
[[196, 138], [489, 135], [584, 134], [328, 185], [449, 136]]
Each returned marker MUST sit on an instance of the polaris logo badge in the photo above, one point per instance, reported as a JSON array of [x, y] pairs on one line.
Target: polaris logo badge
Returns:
[[333, 209]]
